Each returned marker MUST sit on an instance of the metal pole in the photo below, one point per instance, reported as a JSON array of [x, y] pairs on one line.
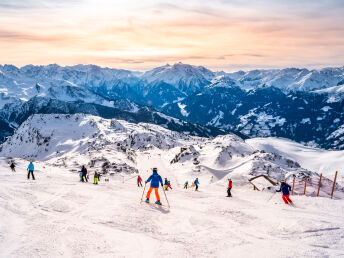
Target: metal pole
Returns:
[[166, 197], [334, 184], [319, 185], [143, 192]]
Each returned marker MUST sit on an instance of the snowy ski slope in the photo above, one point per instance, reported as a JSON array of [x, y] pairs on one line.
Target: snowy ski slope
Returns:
[[59, 216]]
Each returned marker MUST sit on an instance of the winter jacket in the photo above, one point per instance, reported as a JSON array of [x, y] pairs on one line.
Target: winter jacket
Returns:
[[31, 167], [186, 183], [230, 184], [196, 182], [139, 179], [285, 188], [84, 170], [96, 175], [166, 182], [155, 178]]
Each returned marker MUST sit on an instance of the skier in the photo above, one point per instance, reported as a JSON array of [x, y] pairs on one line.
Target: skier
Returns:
[[13, 167], [84, 173], [196, 184], [30, 170], [155, 178], [229, 188], [285, 188], [169, 185], [186, 185], [96, 178], [139, 181], [166, 184]]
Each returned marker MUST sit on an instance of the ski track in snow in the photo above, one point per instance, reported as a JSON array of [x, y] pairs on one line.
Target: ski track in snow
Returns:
[[58, 216]]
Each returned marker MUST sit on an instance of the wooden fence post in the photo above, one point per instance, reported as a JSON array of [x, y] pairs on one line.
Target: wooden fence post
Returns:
[[292, 190], [306, 178], [319, 185], [334, 183]]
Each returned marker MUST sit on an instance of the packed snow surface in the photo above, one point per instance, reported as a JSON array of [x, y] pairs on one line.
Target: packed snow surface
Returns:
[[315, 159], [58, 216]]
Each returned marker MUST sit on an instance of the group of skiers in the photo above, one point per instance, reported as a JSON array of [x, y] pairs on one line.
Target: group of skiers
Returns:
[[84, 175], [30, 169], [155, 179], [195, 183]]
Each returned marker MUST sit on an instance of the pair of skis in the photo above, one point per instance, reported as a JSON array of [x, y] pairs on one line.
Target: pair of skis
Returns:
[[144, 189]]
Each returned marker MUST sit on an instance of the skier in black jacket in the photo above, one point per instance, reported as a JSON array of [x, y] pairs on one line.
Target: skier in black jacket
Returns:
[[285, 189]]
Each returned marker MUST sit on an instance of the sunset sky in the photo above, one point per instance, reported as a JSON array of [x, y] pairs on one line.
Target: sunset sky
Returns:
[[219, 34]]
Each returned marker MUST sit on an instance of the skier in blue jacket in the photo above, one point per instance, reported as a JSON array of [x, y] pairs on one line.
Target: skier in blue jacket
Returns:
[[155, 179], [285, 189], [30, 170], [196, 184]]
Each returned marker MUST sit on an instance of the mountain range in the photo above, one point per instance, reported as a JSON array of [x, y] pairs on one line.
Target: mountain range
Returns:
[[299, 104]]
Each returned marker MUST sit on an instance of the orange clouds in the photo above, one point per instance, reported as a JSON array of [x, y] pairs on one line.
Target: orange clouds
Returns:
[[140, 35]]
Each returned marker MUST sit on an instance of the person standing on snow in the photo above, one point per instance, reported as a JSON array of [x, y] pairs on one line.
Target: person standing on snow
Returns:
[[229, 188], [169, 185], [155, 179], [96, 178], [196, 184], [139, 181], [13, 167], [84, 173], [186, 185], [166, 184], [285, 188], [30, 170]]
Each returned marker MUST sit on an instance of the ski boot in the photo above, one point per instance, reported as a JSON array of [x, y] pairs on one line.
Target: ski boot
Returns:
[[147, 200], [158, 202]]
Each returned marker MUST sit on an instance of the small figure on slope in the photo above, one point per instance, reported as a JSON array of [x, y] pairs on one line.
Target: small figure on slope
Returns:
[[139, 181], [196, 184], [186, 185], [169, 185], [96, 178], [84, 174], [13, 167], [229, 188], [155, 179], [30, 170], [166, 184], [285, 188]]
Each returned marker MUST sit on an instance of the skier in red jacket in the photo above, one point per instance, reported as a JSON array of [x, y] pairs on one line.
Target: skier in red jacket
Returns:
[[229, 188], [139, 181]]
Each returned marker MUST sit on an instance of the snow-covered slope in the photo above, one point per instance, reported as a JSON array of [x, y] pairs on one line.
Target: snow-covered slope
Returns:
[[319, 160], [67, 139], [56, 215]]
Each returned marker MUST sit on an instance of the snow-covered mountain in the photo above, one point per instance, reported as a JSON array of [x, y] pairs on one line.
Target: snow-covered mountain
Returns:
[[310, 117], [78, 89], [290, 79], [186, 78], [299, 104], [63, 139], [35, 213]]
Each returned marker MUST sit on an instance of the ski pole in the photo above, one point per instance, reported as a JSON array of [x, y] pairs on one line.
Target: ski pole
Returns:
[[128, 179], [166, 198], [271, 196], [143, 192]]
